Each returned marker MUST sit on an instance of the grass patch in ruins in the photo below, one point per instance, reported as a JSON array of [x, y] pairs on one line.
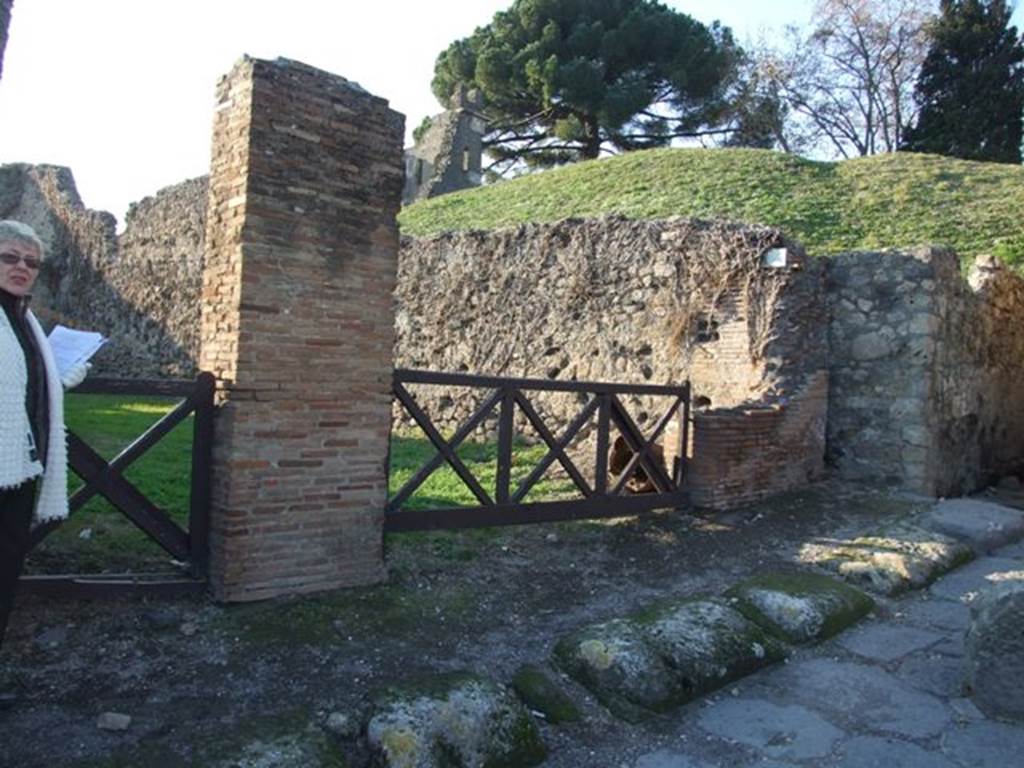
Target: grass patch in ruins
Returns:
[[897, 200], [98, 538]]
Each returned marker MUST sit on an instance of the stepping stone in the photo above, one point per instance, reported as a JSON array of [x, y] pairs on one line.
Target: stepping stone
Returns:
[[937, 614], [939, 675], [872, 752], [665, 656], [542, 695], [891, 561], [863, 697], [885, 642], [800, 608], [982, 525], [788, 732], [453, 719]]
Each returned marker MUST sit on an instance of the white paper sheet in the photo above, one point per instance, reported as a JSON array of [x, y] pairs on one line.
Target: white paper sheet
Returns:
[[72, 347]]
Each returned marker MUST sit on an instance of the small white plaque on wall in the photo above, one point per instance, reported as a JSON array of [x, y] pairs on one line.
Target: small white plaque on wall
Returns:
[[775, 258]]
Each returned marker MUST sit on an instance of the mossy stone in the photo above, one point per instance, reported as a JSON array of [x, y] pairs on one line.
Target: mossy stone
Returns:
[[666, 655], [540, 693], [800, 608], [454, 720]]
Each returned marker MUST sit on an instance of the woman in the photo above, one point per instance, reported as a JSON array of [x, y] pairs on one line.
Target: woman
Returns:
[[33, 452]]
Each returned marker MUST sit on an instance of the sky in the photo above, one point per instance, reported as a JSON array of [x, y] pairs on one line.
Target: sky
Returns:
[[121, 91]]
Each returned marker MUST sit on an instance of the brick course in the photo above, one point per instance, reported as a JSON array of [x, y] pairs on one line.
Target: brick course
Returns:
[[301, 243]]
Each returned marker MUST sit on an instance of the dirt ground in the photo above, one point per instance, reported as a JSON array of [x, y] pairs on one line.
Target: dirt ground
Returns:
[[253, 685]]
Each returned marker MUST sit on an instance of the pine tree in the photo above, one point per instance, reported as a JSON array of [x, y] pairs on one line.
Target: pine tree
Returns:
[[971, 87], [563, 80]]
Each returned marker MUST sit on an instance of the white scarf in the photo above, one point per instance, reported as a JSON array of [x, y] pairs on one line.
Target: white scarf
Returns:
[[16, 464]]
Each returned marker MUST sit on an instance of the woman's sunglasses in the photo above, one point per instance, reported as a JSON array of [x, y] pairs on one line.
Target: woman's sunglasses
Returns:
[[10, 259]]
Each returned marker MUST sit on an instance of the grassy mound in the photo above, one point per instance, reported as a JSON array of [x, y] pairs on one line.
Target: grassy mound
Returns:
[[895, 200]]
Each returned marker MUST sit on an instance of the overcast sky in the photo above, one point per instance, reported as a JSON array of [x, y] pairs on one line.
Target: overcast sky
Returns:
[[121, 91]]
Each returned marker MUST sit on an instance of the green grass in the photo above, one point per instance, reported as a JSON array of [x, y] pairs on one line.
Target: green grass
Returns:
[[898, 200], [98, 538]]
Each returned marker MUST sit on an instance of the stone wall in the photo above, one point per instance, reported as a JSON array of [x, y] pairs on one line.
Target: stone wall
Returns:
[[926, 370], [141, 289], [632, 301]]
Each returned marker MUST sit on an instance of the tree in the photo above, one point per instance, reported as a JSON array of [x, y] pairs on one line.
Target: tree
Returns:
[[563, 80], [971, 88], [848, 85]]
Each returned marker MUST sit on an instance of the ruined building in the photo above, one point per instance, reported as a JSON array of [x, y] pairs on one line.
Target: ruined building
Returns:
[[891, 367], [448, 156]]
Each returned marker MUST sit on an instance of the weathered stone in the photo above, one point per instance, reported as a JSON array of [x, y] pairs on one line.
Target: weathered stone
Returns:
[[871, 346], [994, 649], [984, 744], [893, 560], [542, 695], [885, 642], [866, 694], [789, 732], [982, 525], [800, 608], [964, 583], [452, 720], [665, 656], [872, 752], [113, 721]]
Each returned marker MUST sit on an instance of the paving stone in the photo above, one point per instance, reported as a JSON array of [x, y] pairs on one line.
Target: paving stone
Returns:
[[1013, 551], [875, 752], [790, 732], [848, 692], [983, 525], [965, 582], [941, 675], [666, 759], [966, 711], [985, 745], [887, 642], [937, 614]]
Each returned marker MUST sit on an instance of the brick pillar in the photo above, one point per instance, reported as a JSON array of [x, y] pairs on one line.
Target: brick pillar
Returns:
[[297, 326]]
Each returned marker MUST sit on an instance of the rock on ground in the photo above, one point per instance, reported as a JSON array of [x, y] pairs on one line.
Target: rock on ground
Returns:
[[667, 655], [456, 720], [800, 608], [994, 649], [891, 561]]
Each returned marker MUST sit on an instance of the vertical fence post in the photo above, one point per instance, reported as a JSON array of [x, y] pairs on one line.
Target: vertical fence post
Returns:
[[505, 424], [202, 466], [604, 412]]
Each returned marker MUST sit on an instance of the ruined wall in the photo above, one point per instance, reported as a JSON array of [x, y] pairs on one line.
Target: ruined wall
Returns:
[[926, 370], [5, 22], [630, 301], [140, 289]]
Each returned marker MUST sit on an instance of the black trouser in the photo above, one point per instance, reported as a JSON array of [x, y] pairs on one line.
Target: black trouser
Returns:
[[15, 526]]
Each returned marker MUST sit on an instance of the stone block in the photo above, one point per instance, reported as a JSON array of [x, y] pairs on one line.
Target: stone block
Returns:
[[660, 658], [452, 719], [893, 560], [800, 608], [994, 650], [982, 525]]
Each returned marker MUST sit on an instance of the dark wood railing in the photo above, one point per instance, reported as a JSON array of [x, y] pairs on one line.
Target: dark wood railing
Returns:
[[507, 507], [107, 479]]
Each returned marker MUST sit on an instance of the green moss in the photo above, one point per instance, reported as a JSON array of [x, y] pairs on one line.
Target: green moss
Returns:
[[539, 693], [837, 604], [896, 200]]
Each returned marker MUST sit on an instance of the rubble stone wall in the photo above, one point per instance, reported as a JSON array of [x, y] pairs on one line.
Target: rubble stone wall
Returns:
[[140, 289], [926, 370], [604, 300]]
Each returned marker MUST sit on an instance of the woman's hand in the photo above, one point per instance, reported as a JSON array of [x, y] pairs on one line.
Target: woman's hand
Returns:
[[75, 375]]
